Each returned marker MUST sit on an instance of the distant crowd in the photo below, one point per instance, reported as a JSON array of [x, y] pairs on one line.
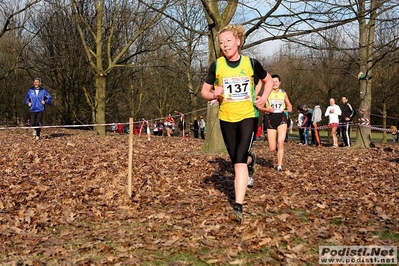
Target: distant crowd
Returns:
[[167, 127]]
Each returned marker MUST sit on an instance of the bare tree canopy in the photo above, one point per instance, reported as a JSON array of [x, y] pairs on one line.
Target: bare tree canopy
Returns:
[[112, 34], [14, 17], [11, 12]]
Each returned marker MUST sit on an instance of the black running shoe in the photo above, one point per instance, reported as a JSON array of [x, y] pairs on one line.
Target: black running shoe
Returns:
[[251, 166]]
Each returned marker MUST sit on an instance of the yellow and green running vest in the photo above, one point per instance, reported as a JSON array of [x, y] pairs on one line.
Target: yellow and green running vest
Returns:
[[237, 102], [276, 100]]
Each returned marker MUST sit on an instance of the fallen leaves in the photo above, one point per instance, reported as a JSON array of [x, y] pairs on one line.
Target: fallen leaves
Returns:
[[64, 198]]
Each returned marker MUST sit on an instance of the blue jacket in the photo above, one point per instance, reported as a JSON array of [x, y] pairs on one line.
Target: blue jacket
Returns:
[[36, 100]]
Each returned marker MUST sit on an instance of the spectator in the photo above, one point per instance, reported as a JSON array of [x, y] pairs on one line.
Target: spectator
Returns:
[[333, 112], [393, 128], [155, 128], [288, 124], [169, 125], [136, 129], [120, 128], [309, 113], [299, 123], [202, 127], [306, 124], [195, 127], [182, 125], [346, 119], [316, 121], [36, 98], [161, 127], [114, 128]]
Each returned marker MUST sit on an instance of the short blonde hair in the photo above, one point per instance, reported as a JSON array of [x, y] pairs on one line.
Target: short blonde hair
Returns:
[[237, 30]]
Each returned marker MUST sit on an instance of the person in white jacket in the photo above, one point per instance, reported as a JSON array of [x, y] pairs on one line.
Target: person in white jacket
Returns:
[[333, 112]]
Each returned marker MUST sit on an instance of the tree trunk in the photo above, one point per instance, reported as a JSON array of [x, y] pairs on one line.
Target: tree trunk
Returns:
[[101, 81], [384, 122], [363, 136], [91, 104], [366, 45], [95, 28], [213, 140]]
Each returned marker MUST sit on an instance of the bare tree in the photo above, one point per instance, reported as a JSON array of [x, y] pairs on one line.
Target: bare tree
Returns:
[[100, 25], [14, 38], [14, 17], [384, 94], [186, 47], [57, 56]]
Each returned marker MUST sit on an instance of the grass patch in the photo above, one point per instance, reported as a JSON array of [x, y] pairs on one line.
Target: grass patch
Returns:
[[302, 215], [324, 134], [175, 258], [388, 235], [336, 221]]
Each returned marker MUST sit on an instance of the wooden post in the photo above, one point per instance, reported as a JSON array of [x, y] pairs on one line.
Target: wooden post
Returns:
[[130, 163]]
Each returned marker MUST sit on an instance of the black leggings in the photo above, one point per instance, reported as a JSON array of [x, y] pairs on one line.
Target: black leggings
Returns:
[[238, 138], [36, 120]]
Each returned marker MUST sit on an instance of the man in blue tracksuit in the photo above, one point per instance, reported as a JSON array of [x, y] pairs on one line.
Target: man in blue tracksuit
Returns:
[[36, 98]]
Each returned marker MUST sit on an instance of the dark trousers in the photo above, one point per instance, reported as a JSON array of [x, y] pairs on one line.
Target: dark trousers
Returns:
[[302, 135], [36, 120], [345, 130], [202, 130], [195, 133], [288, 128]]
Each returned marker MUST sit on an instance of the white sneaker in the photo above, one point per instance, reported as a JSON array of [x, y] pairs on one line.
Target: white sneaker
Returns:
[[250, 181], [37, 138]]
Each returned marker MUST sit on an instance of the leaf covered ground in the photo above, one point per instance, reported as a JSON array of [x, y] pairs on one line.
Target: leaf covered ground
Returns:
[[64, 201]]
